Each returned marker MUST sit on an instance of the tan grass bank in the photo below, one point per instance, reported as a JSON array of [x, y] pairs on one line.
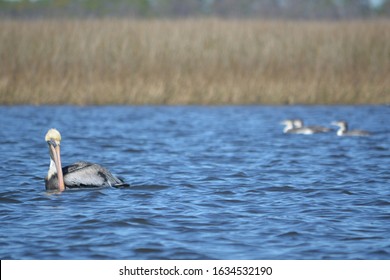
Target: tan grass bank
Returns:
[[203, 61]]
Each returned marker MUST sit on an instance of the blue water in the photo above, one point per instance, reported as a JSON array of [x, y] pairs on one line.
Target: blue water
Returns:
[[207, 183]]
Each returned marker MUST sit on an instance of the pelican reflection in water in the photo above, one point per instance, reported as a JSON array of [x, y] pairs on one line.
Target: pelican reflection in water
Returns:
[[78, 175]]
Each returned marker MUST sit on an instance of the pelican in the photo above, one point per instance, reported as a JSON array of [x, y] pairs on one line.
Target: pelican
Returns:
[[298, 123], [343, 130], [78, 175], [291, 128]]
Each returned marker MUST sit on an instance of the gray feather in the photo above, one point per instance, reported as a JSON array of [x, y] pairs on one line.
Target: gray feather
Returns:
[[86, 174]]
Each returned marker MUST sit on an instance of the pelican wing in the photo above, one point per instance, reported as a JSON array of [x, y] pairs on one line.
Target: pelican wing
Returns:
[[85, 174]]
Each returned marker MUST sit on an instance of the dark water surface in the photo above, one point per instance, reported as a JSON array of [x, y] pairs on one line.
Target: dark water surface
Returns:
[[207, 183]]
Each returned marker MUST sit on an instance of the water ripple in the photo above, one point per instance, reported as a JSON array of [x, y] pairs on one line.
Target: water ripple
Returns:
[[205, 183]]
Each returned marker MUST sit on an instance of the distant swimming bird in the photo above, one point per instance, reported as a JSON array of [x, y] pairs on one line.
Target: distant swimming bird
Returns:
[[291, 128], [78, 175], [343, 130], [298, 123]]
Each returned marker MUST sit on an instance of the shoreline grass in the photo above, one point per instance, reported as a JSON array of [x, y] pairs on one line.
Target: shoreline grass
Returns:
[[194, 61]]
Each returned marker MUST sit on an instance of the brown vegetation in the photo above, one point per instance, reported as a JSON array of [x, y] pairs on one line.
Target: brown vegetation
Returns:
[[203, 61]]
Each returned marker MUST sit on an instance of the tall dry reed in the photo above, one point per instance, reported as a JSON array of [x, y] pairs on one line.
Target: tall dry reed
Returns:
[[208, 61]]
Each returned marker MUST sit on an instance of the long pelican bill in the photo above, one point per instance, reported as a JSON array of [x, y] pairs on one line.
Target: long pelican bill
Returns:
[[55, 150]]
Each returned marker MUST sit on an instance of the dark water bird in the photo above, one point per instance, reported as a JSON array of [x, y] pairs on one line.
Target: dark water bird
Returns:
[[343, 130], [78, 175], [298, 123], [292, 129]]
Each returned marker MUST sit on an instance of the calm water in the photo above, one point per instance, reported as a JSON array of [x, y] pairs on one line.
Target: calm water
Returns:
[[207, 183]]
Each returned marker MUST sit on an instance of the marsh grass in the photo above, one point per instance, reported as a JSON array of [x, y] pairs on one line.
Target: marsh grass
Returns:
[[193, 61]]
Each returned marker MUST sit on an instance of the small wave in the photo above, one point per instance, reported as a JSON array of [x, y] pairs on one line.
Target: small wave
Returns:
[[289, 234], [379, 202], [281, 189], [150, 187], [361, 238], [9, 200], [147, 250], [239, 175], [133, 151]]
